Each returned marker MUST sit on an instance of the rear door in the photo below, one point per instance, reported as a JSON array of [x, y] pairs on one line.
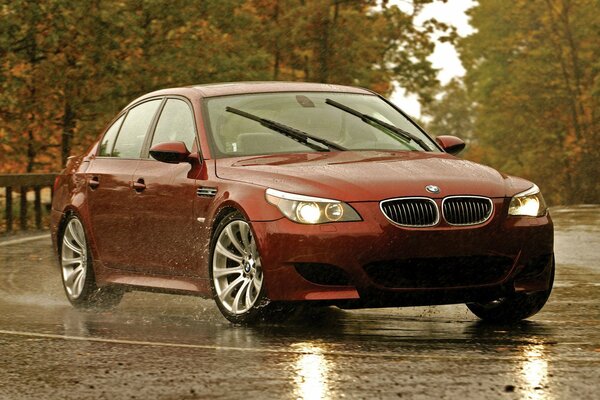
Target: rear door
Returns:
[[110, 186], [163, 209]]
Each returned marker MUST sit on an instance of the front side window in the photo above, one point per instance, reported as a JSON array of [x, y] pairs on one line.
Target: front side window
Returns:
[[176, 123], [133, 132], [233, 135]]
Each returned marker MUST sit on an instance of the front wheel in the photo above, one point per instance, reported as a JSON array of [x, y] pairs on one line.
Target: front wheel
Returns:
[[236, 273], [77, 272], [513, 308]]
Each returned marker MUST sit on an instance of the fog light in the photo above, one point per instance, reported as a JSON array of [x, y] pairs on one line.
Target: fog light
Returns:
[[308, 212]]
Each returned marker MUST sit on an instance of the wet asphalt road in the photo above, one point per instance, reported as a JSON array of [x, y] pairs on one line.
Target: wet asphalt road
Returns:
[[175, 347]]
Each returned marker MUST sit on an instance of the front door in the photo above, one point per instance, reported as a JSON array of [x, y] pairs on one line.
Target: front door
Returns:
[[166, 239]]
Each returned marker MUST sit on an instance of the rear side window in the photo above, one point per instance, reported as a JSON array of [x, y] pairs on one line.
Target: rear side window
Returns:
[[176, 123], [131, 136], [108, 141]]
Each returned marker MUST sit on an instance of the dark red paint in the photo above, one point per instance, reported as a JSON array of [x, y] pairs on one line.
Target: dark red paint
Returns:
[[147, 227]]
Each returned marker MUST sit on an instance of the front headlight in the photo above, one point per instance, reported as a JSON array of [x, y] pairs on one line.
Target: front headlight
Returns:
[[311, 210], [528, 203]]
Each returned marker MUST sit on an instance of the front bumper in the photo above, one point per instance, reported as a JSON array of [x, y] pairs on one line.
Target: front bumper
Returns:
[[375, 263]]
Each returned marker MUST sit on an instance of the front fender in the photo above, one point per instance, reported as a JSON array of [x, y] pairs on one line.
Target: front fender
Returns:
[[248, 199]]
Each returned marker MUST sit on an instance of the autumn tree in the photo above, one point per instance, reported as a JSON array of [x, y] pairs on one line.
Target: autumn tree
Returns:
[[355, 42], [533, 75], [26, 113], [68, 67], [58, 63]]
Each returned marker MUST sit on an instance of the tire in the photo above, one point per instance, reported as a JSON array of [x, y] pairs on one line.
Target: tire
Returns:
[[514, 308], [77, 272], [235, 271]]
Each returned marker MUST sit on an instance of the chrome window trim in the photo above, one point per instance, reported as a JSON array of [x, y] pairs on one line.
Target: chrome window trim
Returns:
[[437, 211], [487, 218]]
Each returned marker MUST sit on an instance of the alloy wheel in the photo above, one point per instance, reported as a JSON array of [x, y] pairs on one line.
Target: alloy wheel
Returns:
[[74, 258], [236, 268]]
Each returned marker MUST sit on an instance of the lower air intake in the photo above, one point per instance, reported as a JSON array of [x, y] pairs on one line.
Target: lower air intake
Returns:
[[442, 272]]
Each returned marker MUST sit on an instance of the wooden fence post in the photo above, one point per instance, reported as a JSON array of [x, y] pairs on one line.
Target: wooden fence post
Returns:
[[8, 209], [38, 207], [22, 183], [23, 210]]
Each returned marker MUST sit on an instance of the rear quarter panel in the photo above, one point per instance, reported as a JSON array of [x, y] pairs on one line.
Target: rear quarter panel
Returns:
[[69, 193]]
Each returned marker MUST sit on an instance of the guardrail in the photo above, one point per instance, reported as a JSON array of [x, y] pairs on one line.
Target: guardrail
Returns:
[[23, 185]]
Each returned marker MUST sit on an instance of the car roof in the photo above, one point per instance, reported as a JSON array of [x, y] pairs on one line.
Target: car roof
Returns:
[[233, 88]]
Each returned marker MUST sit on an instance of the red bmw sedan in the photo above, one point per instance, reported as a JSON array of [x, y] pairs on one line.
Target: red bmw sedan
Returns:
[[264, 195]]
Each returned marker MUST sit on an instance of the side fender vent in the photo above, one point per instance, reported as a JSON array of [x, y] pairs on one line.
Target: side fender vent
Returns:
[[205, 191]]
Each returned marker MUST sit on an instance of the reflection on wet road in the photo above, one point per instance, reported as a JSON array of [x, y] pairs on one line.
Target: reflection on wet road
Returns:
[[174, 347]]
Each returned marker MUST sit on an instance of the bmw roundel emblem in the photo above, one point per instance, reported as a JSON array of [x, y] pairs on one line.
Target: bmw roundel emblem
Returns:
[[432, 189]]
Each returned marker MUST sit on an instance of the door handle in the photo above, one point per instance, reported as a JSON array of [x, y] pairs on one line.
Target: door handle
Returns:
[[139, 185], [93, 182]]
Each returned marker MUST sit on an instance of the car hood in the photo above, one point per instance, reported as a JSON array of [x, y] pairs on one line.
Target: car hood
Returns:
[[369, 175]]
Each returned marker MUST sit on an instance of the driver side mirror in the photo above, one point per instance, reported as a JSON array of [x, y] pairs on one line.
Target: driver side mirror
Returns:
[[450, 144], [170, 152]]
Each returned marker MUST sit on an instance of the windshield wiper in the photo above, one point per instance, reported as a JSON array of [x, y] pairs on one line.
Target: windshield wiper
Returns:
[[367, 119], [293, 133]]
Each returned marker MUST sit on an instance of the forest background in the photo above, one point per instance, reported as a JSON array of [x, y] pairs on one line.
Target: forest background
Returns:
[[527, 105]]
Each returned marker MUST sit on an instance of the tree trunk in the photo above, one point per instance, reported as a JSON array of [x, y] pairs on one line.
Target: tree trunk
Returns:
[[31, 153], [323, 50], [277, 55], [68, 125]]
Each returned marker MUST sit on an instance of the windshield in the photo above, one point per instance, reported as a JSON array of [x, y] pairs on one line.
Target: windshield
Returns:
[[232, 135]]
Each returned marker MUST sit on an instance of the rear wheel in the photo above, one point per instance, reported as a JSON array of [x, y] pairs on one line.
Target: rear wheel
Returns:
[[236, 273], [77, 272], [513, 308]]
